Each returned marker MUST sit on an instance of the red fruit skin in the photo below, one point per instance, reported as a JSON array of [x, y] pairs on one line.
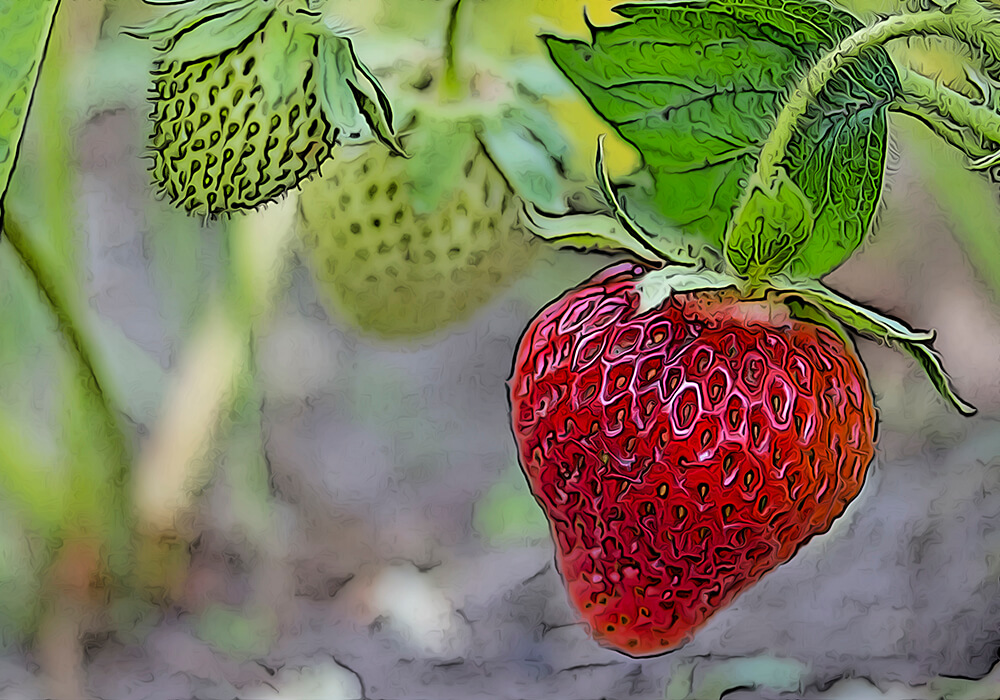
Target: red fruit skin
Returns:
[[682, 452]]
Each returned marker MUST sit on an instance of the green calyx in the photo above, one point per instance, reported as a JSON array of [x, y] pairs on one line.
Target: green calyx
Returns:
[[812, 302], [250, 97]]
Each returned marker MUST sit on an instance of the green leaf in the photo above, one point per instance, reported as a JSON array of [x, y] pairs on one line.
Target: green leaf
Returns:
[[528, 147], [838, 161], [610, 230], [881, 328], [196, 30], [350, 95], [590, 231], [25, 28], [696, 86], [373, 103], [438, 150], [769, 229]]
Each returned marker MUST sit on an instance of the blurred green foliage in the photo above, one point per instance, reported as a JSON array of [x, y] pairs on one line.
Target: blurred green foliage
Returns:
[[507, 514]]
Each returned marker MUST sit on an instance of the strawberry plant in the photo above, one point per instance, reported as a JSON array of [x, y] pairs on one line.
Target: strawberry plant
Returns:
[[689, 420]]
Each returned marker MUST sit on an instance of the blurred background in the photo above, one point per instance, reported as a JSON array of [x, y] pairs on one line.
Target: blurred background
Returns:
[[265, 500]]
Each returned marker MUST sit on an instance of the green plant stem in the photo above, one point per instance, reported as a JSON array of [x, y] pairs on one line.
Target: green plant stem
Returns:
[[57, 297], [929, 22], [930, 102], [953, 135], [172, 467]]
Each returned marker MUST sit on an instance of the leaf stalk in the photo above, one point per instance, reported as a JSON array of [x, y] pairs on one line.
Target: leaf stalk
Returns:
[[808, 89]]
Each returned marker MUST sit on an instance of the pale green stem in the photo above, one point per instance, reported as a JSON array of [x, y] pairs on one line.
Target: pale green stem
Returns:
[[931, 22], [172, 467], [976, 26]]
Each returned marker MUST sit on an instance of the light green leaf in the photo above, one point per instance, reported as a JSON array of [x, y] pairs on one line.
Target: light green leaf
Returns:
[[589, 231], [25, 28], [350, 95], [592, 231], [335, 96], [373, 103], [696, 86], [203, 28], [528, 147]]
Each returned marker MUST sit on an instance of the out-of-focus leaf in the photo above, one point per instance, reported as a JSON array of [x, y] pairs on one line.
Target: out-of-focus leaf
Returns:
[[713, 679], [24, 28], [968, 199], [238, 633], [508, 513]]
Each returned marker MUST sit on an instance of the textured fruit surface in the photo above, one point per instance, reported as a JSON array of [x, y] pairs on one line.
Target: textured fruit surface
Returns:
[[238, 129], [399, 263], [683, 451]]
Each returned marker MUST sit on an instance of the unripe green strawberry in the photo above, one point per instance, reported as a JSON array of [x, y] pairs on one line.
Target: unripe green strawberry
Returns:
[[404, 255], [250, 97], [227, 136]]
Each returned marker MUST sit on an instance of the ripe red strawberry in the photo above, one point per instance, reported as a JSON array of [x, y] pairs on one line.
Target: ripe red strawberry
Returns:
[[682, 451]]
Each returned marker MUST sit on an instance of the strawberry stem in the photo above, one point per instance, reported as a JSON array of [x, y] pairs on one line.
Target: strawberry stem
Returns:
[[967, 21], [773, 153]]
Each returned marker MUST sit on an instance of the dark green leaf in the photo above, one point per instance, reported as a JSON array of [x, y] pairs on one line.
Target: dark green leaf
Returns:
[[696, 86], [25, 28], [838, 161]]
